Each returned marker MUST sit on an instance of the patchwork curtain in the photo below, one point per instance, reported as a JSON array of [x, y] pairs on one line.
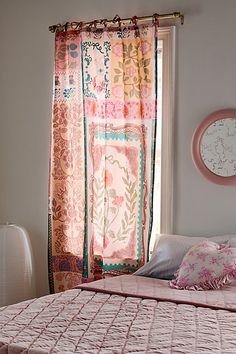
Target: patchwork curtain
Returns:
[[102, 152]]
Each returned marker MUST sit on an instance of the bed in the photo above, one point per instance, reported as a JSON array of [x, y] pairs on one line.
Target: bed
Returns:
[[125, 314]]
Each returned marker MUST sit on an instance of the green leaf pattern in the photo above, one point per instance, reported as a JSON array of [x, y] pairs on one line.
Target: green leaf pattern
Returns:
[[108, 207], [133, 71]]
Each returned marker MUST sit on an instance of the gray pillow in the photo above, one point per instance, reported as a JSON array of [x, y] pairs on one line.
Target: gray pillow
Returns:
[[169, 251]]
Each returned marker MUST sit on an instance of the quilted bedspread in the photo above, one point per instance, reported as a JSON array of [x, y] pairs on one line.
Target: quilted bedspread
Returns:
[[151, 288], [88, 321]]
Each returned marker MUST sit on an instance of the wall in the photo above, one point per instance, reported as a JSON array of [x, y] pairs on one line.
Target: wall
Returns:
[[206, 81]]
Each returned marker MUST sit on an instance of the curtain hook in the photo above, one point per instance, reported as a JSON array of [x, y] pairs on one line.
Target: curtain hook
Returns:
[[80, 25], [104, 22], [155, 19], [117, 19], [134, 20], [89, 26], [76, 25], [94, 24], [66, 25], [60, 28]]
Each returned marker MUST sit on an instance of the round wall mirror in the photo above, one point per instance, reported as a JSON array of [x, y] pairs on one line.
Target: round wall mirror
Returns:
[[214, 147]]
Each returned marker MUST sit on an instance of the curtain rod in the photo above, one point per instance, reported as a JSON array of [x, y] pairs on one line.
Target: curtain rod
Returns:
[[116, 20]]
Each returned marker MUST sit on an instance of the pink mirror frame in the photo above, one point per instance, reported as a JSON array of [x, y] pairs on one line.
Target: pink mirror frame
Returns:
[[196, 144]]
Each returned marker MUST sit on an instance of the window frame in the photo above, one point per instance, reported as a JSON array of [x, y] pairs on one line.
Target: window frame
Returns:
[[168, 36]]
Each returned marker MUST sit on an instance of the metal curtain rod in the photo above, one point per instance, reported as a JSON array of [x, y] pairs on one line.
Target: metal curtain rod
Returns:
[[116, 20]]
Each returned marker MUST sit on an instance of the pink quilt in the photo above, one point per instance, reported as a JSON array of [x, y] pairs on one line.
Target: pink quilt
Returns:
[[158, 289], [136, 321]]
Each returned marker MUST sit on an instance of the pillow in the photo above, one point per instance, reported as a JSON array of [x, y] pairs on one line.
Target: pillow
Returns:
[[206, 266], [169, 251]]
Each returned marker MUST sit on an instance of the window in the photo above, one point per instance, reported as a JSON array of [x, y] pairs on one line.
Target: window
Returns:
[[163, 183]]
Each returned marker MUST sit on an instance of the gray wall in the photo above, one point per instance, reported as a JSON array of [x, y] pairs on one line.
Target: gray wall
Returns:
[[206, 81]]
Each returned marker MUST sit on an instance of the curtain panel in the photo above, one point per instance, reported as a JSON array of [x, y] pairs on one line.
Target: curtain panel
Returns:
[[102, 153]]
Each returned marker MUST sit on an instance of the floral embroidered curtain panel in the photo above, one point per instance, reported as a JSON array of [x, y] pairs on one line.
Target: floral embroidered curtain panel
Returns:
[[102, 152]]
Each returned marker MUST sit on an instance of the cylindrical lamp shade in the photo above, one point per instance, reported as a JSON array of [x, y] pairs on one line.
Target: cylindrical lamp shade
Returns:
[[17, 280]]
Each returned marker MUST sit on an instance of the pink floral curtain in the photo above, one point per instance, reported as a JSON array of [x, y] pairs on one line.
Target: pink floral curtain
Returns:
[[102, 152]]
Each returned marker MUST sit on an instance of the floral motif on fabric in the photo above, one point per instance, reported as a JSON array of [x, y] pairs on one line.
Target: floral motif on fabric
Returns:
[[66, 196], [118, 195], [101, 153], [132, 69], [118, 109], [207, 265], [96, 61], [118, 77], [67, 51]]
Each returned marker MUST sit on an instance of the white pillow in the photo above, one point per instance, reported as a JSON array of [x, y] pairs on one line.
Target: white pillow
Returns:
[[206, 266], [169, 251]]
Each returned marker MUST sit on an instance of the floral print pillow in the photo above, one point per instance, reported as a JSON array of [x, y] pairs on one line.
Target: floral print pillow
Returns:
[[206, 266]]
